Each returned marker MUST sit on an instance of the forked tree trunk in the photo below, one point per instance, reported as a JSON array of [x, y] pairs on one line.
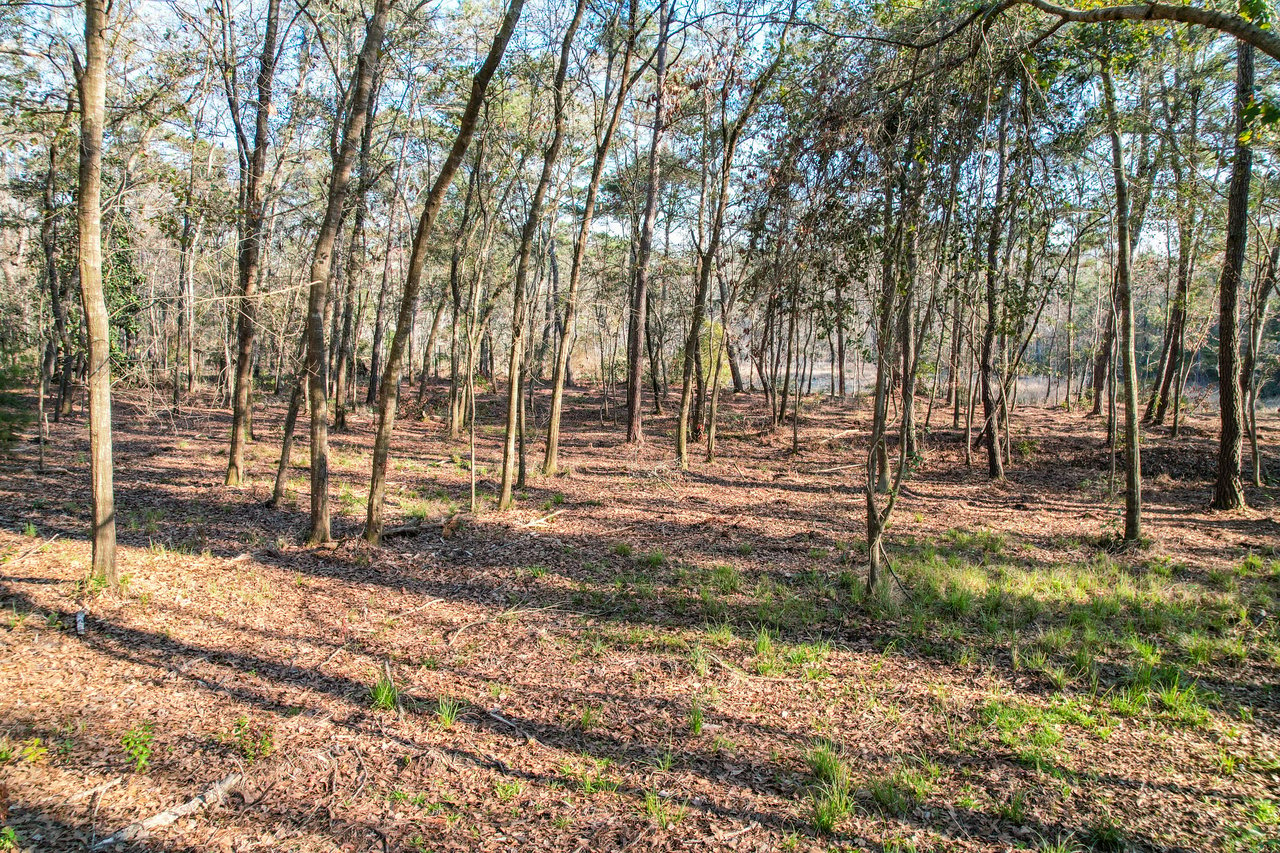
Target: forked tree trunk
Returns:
[[92, 84]]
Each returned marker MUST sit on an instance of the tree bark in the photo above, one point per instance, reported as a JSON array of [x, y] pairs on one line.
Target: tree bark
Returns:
[[532, 222], [389, 390], [640, 289], [1228, 491], [250, 255], [1124, 306], [339, 181], [92, 85]]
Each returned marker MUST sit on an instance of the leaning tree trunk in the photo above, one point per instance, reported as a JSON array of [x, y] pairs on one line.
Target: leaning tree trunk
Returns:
[[251, 252], [532, 222], [640, 289], [1228, 491], [92, 84], [560, 371], [389, 391], [322, 259]]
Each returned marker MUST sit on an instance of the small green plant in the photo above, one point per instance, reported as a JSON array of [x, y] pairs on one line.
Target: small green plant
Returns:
[[727, 579], [655, 559], [447, 710], [8, 838], [252, 742], [831, 804], [384, 695], [698, 660], [622, 549], [764, 642], [1014, 809], [508, 791], [30, 531], [745, 549], [590, 716], [137, 743], [825, 763], [695, 716], [664, 814]]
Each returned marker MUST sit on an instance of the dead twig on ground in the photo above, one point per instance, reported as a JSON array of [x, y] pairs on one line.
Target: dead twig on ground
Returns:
[[214, 793]]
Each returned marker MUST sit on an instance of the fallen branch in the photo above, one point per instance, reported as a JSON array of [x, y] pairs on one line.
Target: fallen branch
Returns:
[[546, 518], [214, 793]]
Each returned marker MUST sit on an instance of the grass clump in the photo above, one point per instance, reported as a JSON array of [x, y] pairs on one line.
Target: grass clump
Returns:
[[660, 811], [830, 799], [384, 695]]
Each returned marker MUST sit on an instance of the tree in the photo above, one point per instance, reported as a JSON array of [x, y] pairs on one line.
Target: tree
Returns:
[[389, 388], [533, 221], [1228, 490], [91, 80], [252, 168], [640, 281], [1124, 305], [321, 266]]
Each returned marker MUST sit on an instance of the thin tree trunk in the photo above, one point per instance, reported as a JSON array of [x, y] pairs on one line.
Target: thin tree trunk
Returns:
[[532, 222], [250, 255], [388, 393], [1124, 300], [339, 181], [640, 289]]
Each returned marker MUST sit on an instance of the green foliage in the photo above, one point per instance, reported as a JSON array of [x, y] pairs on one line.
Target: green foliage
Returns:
[[137, 743], [384, 695]]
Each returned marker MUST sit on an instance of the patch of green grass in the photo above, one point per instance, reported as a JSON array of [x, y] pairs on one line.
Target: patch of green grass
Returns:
[[662, 812], [698, 660], [589, 716], [1183, 706], [905, 788], [447, 711], [726, 579], [384, 695], [830, 804], [695, 716]]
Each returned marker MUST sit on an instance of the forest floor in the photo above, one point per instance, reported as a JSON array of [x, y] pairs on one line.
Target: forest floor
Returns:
[[635, 657]]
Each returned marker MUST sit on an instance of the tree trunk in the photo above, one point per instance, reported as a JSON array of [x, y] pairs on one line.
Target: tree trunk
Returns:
[[1228, 491], [990, 405], [532, 222], [250, 255], [640, 289], [1124, 305], [92, 85], [339, 181], [388, 393], [560, 370]]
